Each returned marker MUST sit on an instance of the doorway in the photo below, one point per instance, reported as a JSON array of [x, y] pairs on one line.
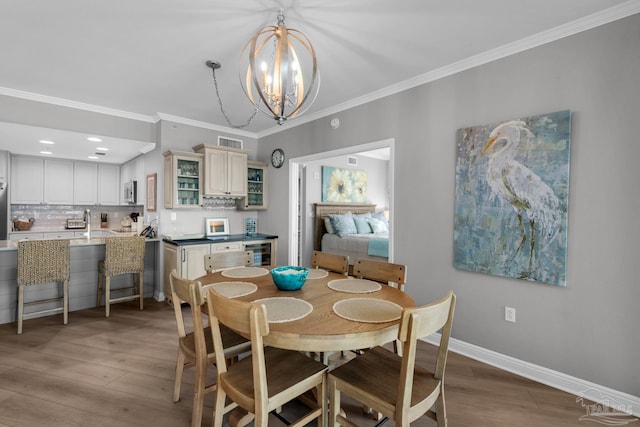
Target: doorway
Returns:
[[299, 208]]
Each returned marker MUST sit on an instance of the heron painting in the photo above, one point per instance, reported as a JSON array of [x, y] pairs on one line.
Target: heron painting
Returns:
[[511, 201]]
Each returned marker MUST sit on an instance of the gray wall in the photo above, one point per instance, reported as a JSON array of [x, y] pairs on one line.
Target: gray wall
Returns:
[[588, 329]]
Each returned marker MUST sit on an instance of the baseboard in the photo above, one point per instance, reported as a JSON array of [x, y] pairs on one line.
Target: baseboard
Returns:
[[576, 386]]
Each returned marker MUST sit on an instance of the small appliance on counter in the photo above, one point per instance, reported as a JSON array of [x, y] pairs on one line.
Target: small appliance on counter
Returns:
[[74, 224]]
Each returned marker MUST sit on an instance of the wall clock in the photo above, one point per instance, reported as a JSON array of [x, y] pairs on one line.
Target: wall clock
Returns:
[[277, 158]]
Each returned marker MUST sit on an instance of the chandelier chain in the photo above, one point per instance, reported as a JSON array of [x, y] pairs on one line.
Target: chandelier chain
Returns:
[[224, 113]]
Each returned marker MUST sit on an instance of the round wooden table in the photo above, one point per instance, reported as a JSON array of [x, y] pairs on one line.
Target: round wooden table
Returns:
[[322, 330]]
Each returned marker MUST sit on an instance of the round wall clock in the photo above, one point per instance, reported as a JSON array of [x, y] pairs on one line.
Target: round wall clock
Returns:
[[277, 158]]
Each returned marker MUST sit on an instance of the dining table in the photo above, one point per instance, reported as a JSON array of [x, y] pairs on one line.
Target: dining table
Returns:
[[331, 312]]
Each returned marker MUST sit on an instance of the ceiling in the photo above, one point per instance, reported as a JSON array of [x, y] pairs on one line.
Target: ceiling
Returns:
[[147, 57]]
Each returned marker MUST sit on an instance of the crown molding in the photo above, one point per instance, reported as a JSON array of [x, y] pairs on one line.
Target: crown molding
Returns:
[[583, 24], [204, 125], [62, 102]]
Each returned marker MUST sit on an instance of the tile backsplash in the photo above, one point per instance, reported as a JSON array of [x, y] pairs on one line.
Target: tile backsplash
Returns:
[[54, 217]]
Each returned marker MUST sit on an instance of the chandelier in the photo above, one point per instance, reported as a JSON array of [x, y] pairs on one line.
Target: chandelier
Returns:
[[278, 72]]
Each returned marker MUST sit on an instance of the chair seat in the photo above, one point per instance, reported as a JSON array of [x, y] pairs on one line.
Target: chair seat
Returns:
[[280, 376], [233, 343], [386, 365]]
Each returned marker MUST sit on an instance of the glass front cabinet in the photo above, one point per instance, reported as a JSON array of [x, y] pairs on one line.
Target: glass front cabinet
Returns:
[[256, 187], [182, 179]]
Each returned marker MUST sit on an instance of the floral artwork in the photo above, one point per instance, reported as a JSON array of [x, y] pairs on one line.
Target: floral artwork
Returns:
[[512, 195], [343, 185]]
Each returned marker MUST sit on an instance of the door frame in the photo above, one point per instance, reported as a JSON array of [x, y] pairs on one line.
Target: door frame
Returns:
[[295, 165]]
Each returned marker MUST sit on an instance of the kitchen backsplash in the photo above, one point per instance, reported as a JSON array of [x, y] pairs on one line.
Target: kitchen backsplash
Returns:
[[53, 217]]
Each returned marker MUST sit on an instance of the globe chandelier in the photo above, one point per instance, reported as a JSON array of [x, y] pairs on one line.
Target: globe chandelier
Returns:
[[278, 72]]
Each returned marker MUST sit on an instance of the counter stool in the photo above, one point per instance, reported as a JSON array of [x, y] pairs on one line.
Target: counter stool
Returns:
[[43, 261], [123, 255]]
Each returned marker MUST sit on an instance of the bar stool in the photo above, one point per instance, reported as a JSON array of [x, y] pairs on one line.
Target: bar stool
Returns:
[[123, 255], [39, 262]]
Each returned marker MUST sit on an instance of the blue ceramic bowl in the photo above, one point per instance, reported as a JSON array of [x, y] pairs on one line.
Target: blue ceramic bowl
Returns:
[[289, 277]]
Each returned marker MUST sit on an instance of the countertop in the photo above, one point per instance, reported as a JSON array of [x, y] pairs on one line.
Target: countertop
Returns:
[[220, 239], [8, 245]]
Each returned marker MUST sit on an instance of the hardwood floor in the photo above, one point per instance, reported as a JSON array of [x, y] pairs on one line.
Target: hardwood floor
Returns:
[[99, 371]]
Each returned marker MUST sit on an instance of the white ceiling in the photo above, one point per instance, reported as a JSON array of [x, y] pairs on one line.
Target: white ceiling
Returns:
[[146, 57]]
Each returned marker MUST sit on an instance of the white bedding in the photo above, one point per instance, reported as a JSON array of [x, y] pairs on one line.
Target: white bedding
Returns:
[[352, 245]]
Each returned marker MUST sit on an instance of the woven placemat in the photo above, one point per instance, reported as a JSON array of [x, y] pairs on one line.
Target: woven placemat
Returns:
[[233, 289], [317, 273], [367, 310], [245, 272], [285, 309], [354, 286]]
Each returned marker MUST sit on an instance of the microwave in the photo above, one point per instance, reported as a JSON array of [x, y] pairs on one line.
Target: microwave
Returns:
[[130, 192]]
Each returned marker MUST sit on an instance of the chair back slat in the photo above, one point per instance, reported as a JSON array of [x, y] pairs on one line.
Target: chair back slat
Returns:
[[223, 260], [383, 272], [329, 261]]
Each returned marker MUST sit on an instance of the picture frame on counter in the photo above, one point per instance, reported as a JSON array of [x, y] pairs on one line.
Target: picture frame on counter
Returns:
[[152, 180], [216, 227]]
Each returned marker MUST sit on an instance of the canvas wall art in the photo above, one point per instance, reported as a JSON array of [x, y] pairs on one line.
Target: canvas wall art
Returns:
[[344, 185], [512, 195]]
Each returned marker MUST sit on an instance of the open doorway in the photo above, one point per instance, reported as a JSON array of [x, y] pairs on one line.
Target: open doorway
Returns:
[[300, 208]]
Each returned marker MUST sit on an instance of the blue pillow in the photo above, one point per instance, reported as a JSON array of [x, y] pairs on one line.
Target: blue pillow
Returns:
[[378, 226], [328, 226], [343, 224], [362, 225], [380, 216]]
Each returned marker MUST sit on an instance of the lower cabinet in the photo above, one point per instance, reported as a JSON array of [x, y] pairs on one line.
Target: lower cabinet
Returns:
[[188, 260]]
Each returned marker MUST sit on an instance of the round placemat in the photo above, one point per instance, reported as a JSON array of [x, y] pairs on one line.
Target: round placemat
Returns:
[[285, 309], [233, 289], [354, 286], [317, 273], [245, 272], [367, 310]]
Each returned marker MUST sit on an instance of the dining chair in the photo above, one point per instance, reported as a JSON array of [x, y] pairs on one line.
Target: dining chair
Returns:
[[123, 255], [267, 379], [195, 348], [224, 260], [40, 262], [331, 262], [380, 271], [400, 389]]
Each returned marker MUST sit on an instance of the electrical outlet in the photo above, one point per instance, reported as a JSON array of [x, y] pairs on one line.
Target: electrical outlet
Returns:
[[510, 314]]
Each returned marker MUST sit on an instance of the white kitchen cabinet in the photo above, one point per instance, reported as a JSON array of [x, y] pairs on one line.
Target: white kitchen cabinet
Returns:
[[182, 180], [108, 184], [58, 182], [20, 236], [225, 171], [27, 180], [85, 183], [59, 235]]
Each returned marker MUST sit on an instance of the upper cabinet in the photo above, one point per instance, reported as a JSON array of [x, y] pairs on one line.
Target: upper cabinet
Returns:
[[225, 171], [182, 179], [63, 182], [256, 187]]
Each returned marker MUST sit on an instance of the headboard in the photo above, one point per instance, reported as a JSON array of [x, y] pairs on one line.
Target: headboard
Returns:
[[321, 210]]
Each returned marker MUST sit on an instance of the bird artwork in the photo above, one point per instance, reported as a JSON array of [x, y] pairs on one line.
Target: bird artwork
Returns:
[[511, 198], [531, 199]]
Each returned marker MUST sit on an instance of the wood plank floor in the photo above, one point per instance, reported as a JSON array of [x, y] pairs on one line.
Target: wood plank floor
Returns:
[[119, 371]]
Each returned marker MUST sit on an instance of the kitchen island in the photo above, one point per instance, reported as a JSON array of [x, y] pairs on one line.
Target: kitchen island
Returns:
[[83, 278]]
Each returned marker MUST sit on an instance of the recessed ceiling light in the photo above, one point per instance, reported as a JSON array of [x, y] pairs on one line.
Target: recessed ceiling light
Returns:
[[45, 141], [46, 152], [94, 139], [93, 157], [102, 149]]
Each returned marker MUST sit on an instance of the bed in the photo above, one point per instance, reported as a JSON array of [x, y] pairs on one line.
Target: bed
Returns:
[[372, 245]]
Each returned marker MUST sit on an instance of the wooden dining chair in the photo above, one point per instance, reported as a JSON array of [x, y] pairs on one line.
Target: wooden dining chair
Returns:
[[123, 255], [400, 389], [40, 262], [267, 379], [380, 271], [195, 348], [224, 260], [331, 262]]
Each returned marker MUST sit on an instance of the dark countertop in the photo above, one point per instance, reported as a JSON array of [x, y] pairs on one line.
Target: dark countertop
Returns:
[[220, 239]]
